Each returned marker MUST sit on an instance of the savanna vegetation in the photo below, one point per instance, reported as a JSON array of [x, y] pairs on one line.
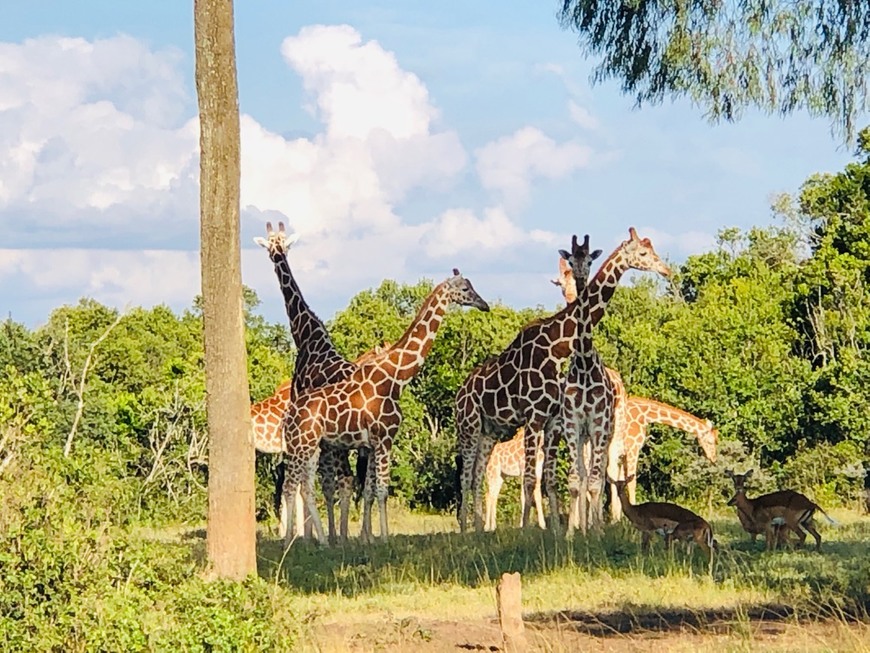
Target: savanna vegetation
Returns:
[[103, 450]]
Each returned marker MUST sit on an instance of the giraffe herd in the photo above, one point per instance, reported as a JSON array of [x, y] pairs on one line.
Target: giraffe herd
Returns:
[[512, 411]]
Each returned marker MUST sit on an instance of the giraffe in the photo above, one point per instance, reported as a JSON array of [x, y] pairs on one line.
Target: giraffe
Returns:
[[362, 410], [507, 459], [266, 418], [518, 388], [588, 395], [318, 363], [631, 415], [628, 440]]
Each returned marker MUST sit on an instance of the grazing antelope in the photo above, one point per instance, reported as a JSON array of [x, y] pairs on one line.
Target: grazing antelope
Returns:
[[673, 522], [776, 513]]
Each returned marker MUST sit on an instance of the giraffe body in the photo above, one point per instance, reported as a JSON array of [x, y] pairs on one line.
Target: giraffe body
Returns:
[[318, 363], [521, 387], [633, 415], [508, 459], [363, 410], [588, 395]]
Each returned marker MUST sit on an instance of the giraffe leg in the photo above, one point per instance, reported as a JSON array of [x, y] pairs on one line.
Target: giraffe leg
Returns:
[[613, 472], [468, 435], [531, 443], [601, 431], [290, 491], [552, 435], [539, 499], [484, 451], [493, 488], [368, 499], [345, 492], [326, 468], [382, 478], [308, 496]]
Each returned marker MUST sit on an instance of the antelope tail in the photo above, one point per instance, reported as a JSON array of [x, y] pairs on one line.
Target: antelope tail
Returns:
[[827, 516]]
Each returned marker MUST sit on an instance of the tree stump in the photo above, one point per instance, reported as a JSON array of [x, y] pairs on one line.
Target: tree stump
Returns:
[[510, 613]]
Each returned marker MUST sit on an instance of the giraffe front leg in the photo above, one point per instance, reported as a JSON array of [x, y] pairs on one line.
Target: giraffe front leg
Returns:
[[539, 499], [368, 499], [345, 493], [484, 451], [549, 482], [532, 442], [308, 497], [382, 477], [326, 468], [493, 488]]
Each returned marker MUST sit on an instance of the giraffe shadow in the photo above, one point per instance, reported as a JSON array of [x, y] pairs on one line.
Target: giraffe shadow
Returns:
[[354, 569]]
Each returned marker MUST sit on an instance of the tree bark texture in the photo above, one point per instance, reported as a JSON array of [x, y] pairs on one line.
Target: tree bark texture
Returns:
[[231, 539]]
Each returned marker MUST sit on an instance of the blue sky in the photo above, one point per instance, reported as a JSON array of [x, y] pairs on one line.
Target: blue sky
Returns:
[[399, 139]]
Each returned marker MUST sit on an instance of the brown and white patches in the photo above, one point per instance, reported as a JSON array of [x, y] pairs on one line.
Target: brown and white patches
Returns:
[[363, 410]]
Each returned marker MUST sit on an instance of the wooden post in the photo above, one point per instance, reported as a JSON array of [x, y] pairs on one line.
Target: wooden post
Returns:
[[510, 613]]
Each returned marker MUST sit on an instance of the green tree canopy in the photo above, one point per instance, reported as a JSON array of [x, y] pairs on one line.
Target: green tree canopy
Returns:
[[728, 55]]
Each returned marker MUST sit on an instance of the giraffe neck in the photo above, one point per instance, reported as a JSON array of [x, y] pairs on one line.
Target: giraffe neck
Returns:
[[600, 289], [403, 360], [317, 360], [655, 412]]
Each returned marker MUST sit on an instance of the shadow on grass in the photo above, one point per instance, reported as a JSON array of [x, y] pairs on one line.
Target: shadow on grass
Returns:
[[469, 560], [645, 618]]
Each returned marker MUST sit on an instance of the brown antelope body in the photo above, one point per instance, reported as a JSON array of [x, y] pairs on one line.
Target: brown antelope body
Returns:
[[776, 513], [673, 522]]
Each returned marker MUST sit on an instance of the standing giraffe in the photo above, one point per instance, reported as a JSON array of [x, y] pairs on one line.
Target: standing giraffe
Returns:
[[588, 397], [631, 415], [508, 459], [629, 439], [266, 418], [318, 363], [521, 387], [363, 409]]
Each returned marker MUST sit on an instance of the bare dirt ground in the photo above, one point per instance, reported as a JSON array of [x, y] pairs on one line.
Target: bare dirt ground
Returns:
[[764, 629]]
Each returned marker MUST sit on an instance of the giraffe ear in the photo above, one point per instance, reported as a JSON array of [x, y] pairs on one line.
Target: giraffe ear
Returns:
[[290, 239], [565, 255], [262, 242], [596, 254], [456, 272]]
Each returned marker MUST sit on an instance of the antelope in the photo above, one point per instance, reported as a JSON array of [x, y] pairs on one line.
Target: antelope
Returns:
[[673, 522], [776, 513]]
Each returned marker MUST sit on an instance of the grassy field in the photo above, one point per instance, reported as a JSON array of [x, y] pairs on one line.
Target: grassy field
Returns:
[[432, 589]]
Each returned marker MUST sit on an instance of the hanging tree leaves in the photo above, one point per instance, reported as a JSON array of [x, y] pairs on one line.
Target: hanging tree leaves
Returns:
[[727, 55]]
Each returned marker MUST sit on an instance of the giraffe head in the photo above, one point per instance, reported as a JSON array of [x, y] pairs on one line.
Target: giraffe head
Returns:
[[276, 242], [461, 292], [739, 483], [579, 261], [709, 438], [638, 253]]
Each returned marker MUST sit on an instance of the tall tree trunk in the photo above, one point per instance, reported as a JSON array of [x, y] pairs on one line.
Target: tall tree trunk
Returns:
[[231, 524]]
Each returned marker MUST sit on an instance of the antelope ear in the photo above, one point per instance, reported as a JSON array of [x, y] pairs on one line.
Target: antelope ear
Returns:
[[729, 473], [748, 473], [629, 479]]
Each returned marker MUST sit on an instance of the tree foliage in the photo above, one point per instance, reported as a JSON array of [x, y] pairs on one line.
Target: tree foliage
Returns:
[[726, 56]]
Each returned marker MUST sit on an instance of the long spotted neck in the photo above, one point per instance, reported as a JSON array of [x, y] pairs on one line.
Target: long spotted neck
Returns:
[[317, 361], [600, 289], [404, 359], [655, 412]]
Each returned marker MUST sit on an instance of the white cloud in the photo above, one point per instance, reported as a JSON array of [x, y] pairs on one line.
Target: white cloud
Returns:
[[510, 164], [99, 150], [582, 116]]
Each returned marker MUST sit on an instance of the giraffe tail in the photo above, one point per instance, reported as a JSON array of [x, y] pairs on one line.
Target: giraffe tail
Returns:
[[279, 486], [359, 479]]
